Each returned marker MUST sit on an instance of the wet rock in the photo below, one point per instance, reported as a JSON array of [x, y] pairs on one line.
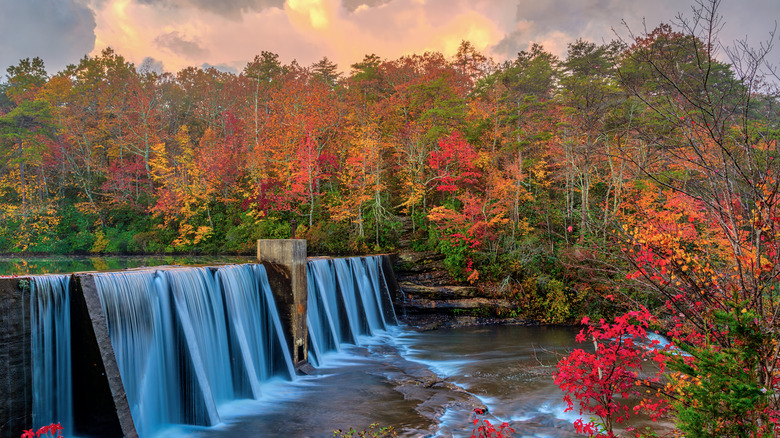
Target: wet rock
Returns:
[[446, 292], [432, 299], [305, 369], [409, 260], [488, 304], [434, 394]]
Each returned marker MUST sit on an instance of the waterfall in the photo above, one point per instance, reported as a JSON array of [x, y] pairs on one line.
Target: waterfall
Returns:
[[51, 354], [347, 298], [325, 322], [189, 340], [256, 336], [141, 325]]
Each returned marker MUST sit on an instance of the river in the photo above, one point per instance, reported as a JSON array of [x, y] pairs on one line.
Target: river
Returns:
[[421, 383]]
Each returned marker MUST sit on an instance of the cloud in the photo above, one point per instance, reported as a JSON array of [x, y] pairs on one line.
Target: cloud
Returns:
[[353, 5], [389, 29], [58, 31], [230, 33], [232, 9], [556, 23], [180, 45], [224, 68]]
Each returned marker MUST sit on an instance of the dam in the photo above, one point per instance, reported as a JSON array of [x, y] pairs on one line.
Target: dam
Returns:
[[127, 353]]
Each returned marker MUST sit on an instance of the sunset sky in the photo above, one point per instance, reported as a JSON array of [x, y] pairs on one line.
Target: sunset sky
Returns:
[[227, 34]]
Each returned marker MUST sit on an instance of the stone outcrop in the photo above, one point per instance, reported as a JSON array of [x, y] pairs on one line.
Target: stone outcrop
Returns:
[[431, 298]]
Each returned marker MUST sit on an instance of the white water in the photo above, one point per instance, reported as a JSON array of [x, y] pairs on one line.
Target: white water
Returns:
[[191, 341], [51, 352], [347, 299]]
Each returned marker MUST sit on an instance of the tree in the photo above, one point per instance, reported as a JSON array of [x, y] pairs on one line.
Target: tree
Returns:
[[24, 127], [591, 94], [326, 71], [608, 380], [265, 70], [701, 226], [471, 65]]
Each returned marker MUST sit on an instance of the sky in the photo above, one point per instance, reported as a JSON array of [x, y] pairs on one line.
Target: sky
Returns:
[[168, 35]]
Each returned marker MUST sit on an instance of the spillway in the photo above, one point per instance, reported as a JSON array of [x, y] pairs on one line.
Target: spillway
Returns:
[[189, 342]]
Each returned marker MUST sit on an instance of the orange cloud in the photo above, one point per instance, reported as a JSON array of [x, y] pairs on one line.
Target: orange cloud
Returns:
[[183, 33], [305, 30]]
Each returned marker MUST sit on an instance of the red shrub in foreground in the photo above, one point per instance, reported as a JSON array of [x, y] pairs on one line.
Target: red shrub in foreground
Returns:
[[603, 381], [52, 430], [483, 428]]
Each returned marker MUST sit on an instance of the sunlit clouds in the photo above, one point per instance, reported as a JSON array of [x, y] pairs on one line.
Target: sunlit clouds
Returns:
[[314, 12], [229, 33], [304, 30]]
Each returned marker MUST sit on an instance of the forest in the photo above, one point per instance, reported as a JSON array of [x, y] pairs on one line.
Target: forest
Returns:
[[636, 174], [534, 167]]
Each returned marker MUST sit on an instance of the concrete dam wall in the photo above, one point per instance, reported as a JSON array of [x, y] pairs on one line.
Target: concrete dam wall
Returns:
[[114, 354]]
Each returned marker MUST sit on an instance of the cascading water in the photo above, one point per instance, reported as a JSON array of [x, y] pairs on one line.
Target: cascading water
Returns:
[[347, 298], [323, 318], [381, 290], [190, 340], [256, 338], [141, 326], [51, 352]]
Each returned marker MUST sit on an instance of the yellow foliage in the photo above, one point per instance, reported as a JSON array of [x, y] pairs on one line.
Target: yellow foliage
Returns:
[[201, 233], [101, 242]]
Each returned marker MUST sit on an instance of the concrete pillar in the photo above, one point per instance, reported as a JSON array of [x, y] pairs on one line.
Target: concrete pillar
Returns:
[[285, 264], [100, 405], [15, 357]]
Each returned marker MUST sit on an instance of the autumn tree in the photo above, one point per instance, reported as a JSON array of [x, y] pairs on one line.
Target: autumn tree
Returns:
[[591, 93], [24, 127], [525, 128], [265, 71], [428, 104], [701, 226]]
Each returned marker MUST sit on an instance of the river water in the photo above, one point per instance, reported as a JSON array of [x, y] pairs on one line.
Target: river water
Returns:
[[421, 383]]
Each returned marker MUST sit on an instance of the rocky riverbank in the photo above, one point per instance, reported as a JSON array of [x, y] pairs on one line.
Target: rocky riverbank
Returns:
[[430, 298]]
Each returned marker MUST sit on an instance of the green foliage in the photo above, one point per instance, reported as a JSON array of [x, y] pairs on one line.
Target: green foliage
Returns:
[[373, 431], [456, 257], [722, 393], [24, 285], [121, 241]]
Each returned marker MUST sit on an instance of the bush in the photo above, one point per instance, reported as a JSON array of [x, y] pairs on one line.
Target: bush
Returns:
[[373, 431]]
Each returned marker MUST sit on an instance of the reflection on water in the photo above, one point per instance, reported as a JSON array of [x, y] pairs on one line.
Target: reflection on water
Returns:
[[68, 264]]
